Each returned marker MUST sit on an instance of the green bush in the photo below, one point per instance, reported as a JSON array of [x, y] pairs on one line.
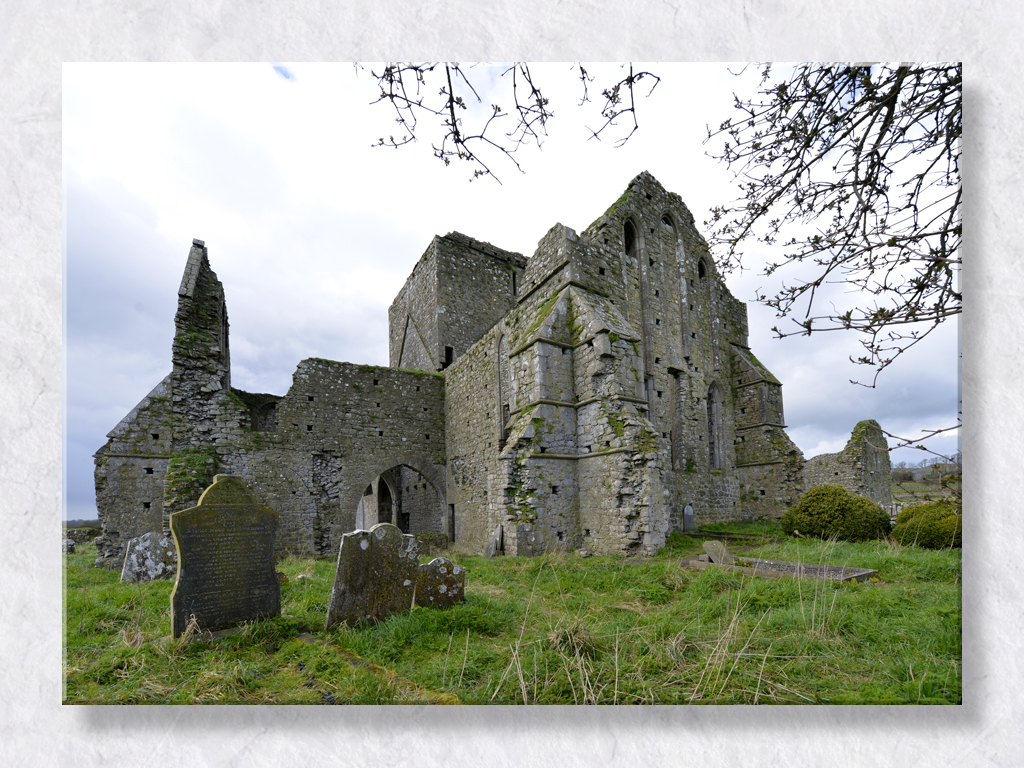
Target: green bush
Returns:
[[831, 510], [934, 525]]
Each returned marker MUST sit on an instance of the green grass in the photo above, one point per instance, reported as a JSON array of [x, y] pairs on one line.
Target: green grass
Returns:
[[555, 629]]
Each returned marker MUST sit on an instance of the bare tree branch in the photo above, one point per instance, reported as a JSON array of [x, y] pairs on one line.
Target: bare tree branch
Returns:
[[860, 166], [469, 134]]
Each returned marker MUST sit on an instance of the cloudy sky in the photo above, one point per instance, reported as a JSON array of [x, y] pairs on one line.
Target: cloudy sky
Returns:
[[313, 232]]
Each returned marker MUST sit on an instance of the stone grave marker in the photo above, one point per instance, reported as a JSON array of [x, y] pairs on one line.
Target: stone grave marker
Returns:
[[375, 576], [225, 549], [717, 552], [688, 518], [149, 557], [496, 544], [440, 584]]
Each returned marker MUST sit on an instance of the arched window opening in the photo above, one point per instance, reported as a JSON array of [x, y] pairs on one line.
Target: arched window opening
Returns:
[[667, 222], [714, 407], [702, 270], [504, 392], [403, 497], [629, 238], [385, 503]]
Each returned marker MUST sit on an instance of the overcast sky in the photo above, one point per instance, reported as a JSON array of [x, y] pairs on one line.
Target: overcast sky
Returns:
[[313, 232]]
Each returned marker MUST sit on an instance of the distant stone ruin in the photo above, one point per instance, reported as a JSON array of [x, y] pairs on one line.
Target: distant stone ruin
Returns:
[[578, 399], [862, 467]]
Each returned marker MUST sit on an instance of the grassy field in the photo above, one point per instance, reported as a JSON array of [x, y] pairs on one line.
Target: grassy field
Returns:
[[911, 492], [555, 629]]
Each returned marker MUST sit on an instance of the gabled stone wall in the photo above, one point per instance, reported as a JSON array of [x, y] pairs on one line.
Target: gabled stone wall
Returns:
[[862, 467], [457, 291]]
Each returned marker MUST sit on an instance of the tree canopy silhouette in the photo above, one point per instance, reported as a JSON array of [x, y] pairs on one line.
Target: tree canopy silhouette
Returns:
[[855, 170]]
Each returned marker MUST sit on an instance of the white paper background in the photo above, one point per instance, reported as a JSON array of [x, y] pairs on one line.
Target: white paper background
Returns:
[[36, 729]]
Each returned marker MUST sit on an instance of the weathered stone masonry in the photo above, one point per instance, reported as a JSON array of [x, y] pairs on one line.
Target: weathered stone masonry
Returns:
[[579, 398], [862, 467]]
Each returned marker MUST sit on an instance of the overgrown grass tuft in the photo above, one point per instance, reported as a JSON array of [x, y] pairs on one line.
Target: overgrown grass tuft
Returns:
[[555, 629]]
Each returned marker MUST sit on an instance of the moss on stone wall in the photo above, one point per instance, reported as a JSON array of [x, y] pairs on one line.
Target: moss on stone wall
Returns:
[[189, 473]]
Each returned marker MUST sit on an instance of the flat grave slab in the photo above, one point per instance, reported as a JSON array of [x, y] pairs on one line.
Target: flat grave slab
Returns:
[[225, 547], [782, 569], [717, 552]]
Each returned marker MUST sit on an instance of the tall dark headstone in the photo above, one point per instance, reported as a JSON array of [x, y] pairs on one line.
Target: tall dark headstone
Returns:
[[225, 559], [375, 576]]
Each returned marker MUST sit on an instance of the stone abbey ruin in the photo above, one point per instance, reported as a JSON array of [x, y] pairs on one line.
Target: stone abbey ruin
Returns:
[[582, 398]]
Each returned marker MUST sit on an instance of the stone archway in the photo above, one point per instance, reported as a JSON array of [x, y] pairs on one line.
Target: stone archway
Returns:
[[407, 488]]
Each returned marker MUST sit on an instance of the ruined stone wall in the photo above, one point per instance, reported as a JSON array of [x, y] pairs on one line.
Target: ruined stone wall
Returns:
[[130, 472], [359, 422], [590, 393], [573, 390], [307, 455], [459, 289], [477, 286], [862, 467], [201, 363], [689, 322], [474, 430], [412, 318]]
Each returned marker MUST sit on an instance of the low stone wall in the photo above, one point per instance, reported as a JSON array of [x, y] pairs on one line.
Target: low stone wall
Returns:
[[81, 535]]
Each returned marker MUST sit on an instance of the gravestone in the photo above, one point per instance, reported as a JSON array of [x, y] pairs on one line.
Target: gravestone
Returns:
[[717, 552], [375, 576], [225, 548], [149, 557], [496, 544], [688, 518], [69, 546], [440, 584]]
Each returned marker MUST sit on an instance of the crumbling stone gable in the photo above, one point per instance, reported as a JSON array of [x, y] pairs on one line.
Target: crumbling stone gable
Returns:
[[863, 467], [306, 454], [201, 362], [130, 473]]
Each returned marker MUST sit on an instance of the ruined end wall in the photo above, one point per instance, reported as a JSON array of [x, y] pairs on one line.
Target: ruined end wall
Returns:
[[862, 467], [456, 293]]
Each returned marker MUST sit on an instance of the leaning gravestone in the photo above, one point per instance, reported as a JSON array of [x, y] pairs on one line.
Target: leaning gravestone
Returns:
[[375, 577], [440, 584], [718, 553], [496, 544], [225, 548], [149, 557]]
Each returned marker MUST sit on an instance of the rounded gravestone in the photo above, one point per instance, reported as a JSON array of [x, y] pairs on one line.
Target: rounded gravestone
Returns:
[[225, 547]]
